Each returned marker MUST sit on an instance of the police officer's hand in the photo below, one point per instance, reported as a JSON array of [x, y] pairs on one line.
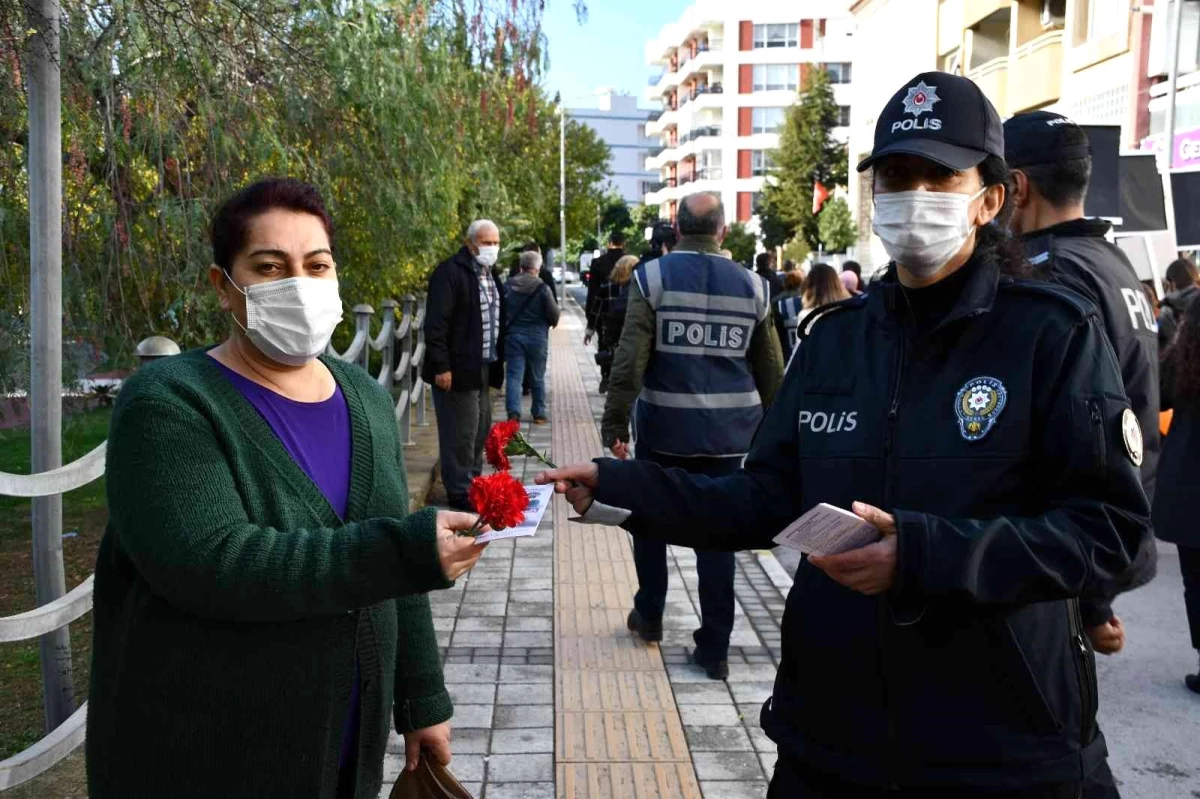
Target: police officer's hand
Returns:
[[871, 569], [620, 449], [578, 482], [1108, 638]]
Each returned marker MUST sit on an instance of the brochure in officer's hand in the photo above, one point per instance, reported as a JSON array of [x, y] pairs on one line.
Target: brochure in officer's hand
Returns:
[[827, 530]]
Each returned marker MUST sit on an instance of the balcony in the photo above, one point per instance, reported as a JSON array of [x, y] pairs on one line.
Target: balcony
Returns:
[[699, 93], [975, 11], [662, 83], [664, 120], [1035, 73], [992, 79]]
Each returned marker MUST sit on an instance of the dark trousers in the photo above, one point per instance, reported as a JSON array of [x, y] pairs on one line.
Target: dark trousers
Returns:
[[463, 419], [794, 780], [1189, 565], [715, 570], [605, 343]]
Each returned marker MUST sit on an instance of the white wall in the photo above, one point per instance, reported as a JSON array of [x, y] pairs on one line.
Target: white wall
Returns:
[[881, 66], [621, 124]]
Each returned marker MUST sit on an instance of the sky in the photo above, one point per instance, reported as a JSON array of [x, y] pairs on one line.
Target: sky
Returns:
[[606, 51]]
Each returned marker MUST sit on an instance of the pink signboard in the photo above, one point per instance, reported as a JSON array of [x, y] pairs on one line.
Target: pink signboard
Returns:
[[1187, 147]]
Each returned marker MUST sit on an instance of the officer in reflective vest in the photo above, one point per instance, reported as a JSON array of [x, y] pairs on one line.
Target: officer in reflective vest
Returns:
[[788, 312], [698, 361]]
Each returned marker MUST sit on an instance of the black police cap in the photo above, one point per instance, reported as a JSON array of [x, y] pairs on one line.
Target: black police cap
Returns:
[[1043, 137], [942, 117]]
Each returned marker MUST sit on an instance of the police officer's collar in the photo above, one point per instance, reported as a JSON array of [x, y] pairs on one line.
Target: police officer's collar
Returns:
[[706, 244], [1076, 228], [887, 302]]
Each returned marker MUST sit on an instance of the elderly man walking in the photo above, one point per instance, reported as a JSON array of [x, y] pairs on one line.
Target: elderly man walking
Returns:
[[529, 313], [462, 329]]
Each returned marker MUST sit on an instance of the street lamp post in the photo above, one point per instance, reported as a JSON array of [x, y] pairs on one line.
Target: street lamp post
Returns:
[[1176, 25], [562, 187]]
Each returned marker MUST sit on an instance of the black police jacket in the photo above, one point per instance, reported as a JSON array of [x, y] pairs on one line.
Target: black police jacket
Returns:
[[1077, 255], [996, 441]]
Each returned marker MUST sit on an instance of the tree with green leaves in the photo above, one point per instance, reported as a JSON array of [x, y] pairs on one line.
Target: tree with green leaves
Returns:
[[412, 117], [741, 243], [836, 226], [807, 154]]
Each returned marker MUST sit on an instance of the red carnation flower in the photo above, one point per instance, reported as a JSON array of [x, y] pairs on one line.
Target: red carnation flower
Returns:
[[497, 441], [499, 499]]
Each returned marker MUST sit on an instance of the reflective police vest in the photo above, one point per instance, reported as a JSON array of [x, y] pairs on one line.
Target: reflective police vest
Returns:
[[698, 394], [790, 311]]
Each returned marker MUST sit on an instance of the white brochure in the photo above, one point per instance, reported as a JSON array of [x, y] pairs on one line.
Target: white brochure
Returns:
[[539, 500], [827, 530]]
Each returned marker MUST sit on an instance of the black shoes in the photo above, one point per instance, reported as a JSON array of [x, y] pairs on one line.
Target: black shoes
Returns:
[[648, 631], [604, 386], [714, 669]]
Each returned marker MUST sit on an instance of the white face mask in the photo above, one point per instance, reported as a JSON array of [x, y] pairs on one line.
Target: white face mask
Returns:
[[291, 321], [487, 255], [923, 230]]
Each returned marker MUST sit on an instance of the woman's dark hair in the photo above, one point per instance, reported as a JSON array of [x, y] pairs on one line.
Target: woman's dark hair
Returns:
[[1182, 360], [852, 266], [231, 225], [662, 236], [823, 286], [1183, 273], [993, 239]]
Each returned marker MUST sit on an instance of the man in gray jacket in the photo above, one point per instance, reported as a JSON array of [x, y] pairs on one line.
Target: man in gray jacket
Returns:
[[529, 312]]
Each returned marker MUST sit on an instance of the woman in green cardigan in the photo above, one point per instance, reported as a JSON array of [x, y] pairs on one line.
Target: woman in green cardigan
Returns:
[[260, 589]]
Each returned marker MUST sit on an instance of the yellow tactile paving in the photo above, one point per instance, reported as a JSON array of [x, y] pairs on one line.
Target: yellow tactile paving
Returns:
[[617, 729]]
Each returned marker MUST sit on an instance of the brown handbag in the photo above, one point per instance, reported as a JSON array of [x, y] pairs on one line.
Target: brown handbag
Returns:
[[431, 780]]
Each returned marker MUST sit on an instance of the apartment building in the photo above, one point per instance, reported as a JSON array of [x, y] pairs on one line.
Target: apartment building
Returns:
[[621, 124], [1082, 58], [1187, 100], [727, 74]]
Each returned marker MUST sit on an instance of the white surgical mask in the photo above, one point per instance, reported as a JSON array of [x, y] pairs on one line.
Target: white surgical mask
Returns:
[[291, 321], [923, 230], [487, 255]]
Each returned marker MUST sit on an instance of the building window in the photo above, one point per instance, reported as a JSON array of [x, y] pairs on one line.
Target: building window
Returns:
[[1105, 17], [756, 201], [843, 116], [838, 73], [767, 120], [761, 163], [781, 35], [776, 77]]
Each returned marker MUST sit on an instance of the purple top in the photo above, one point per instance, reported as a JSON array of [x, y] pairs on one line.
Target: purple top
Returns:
[[317, 436]]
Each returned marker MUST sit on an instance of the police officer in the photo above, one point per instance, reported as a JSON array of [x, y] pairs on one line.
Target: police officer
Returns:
[[697, 362], [1051, 164], [977, 420]]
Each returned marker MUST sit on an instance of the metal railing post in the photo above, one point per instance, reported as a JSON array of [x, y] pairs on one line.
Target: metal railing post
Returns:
[[422, 393], [406, 380], [388, 363], [362, 322]]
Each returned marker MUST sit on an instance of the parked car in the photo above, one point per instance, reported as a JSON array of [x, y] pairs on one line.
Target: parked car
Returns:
[[558, 274]]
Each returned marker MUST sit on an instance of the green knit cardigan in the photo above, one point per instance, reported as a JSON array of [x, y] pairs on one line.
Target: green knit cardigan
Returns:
[[231, 602]]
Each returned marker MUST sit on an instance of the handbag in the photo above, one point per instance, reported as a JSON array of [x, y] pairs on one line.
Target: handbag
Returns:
[[431, 780]]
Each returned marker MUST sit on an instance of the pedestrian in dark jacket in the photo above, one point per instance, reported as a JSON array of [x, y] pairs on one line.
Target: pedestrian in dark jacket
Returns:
[[1182, 287], [617, 298], [1051, 165], [1175, 502], [976, 420], [764, 265], [530, 312], [596, 298], [462, 334]]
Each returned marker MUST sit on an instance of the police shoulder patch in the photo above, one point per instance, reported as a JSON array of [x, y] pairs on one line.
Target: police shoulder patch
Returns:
[[977, 405], [1131, 432]]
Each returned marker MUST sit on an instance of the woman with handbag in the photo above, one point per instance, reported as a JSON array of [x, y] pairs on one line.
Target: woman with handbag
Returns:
[[260, 603]]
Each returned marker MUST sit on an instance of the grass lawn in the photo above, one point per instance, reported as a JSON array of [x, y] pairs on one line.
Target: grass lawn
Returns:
[[84, 516]]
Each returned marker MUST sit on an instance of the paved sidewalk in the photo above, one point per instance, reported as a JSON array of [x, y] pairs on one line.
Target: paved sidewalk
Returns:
[[553, 696]]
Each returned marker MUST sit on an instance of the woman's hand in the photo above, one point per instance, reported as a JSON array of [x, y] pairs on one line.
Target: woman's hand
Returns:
[[457, 553], [578, 482], [620, 449], [435, 739], [870, 570]]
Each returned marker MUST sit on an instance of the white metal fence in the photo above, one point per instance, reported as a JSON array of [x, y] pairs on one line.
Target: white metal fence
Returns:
[[401, 343]]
